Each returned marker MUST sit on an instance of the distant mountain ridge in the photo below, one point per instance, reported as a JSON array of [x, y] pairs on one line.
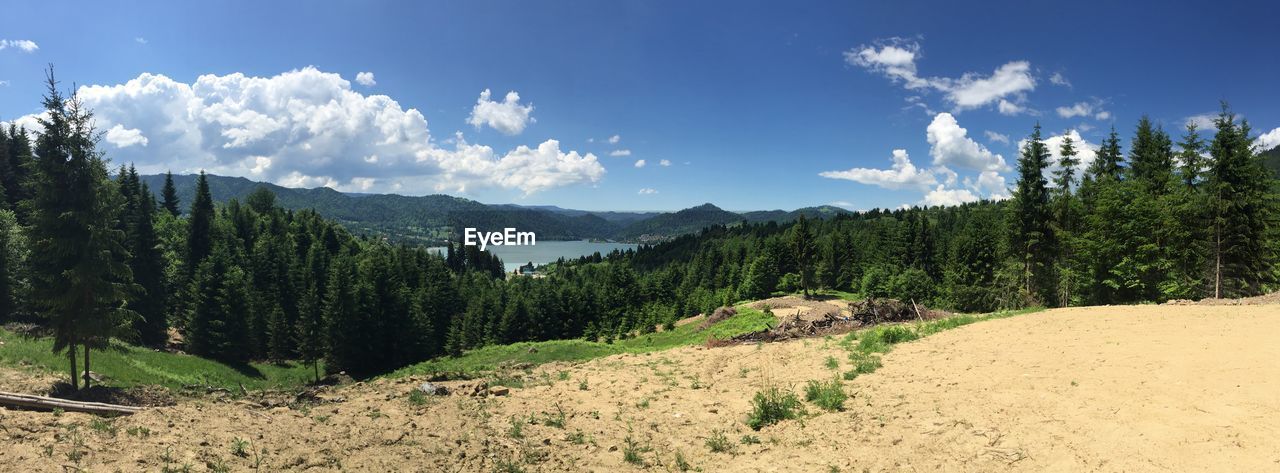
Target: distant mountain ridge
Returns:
[[433, 219]]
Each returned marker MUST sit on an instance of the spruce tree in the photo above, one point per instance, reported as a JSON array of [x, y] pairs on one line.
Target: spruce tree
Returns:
[[79, 279], [1107, 162], [169, 196], [1190, 157], [200, 226], [1032, 236], [148, 265], [1242, 211], [1065, 203], [804, 250]]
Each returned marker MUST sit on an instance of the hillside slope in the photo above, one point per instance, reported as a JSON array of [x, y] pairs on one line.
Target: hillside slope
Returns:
[[1062, 390]]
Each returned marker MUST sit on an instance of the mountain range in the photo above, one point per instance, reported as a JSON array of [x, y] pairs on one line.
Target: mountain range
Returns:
[[433, 219]]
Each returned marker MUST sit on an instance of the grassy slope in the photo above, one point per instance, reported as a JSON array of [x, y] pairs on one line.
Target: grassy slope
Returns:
[[488, 358], [127, 366]]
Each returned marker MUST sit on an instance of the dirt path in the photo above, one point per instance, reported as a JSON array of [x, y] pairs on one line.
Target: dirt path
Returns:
[[1141, 388]]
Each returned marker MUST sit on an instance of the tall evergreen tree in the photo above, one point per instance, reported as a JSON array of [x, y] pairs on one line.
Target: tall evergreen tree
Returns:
[[169, 196], [1107, 162], [1032, 236], [805, 251], [80, 281], [1190, 157], [148, 266], [200, 226], [1243, 213]]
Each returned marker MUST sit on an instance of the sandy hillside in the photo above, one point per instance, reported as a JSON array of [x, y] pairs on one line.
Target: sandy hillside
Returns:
[[1142, 388]]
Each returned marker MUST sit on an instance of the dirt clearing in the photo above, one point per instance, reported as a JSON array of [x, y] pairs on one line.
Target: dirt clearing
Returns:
[[1132, 388]]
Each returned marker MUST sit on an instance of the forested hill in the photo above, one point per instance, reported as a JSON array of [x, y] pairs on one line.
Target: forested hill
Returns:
[[1271, 160], [430, 219]]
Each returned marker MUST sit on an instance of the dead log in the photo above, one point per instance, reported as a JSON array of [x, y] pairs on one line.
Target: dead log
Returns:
[[41, 402]]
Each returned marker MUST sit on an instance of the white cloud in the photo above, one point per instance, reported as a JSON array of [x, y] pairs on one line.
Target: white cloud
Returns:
[[508, 116], [990, 183], [140, 40], [950, 145], [1268, 140], [613, 140], [895, 58], [4, 83], [647, 191], [366, 79], [664, 163], [946, 197], [996, 137], [620, 152], [1009, 80], [307, 127], [1058, 79], [1203, 121], [640, 163], [901, 175], [1084, 109], [125, 137], [25, 45]]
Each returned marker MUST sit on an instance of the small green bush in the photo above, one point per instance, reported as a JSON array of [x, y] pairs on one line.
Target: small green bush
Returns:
[[773, 405], [719, 443], [828, 395]]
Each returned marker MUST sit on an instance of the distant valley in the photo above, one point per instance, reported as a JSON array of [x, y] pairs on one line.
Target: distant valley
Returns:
[[433, 219]]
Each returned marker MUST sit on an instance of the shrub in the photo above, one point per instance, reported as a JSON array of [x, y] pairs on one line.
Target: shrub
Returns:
[[719, 443], [828, 395], [773, 405]]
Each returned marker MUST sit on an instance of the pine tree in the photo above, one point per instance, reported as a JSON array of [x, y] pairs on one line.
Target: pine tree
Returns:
[[13, 257], [1243, 214], [148, 266], [1065, 204], [200, 226], [79, 279], [1107, 162], [170, 196], [804, 250], [1190, 156], [19, 156], [1151, 157], [220, 309], [1032, 236]]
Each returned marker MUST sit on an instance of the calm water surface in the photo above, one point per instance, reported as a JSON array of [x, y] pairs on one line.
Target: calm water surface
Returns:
[[548, 251]]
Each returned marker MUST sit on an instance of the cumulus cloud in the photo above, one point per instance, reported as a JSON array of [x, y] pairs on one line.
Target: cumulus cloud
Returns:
[[140, 40], [647, 191], [901, 175], [943, 196], [895, 58], [1058, 79], [950, 145], [24, 45], [309, 128], [1268, 140], [640, 163], [620, 152], [990, 183], [996, 137], [125, 137], [613, 140], [366, 79], [664, 163], [509, 117]]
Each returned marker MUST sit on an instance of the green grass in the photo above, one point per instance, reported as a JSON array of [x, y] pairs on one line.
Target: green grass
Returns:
[[489, 358], [126, 366]]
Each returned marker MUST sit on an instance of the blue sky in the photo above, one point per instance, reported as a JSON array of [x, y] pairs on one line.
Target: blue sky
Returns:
[[752, 105]]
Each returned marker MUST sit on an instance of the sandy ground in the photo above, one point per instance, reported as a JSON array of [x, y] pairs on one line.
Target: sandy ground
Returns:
[[1134, 388]]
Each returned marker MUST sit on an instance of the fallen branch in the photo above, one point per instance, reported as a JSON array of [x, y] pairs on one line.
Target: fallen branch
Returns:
[[41, 402]]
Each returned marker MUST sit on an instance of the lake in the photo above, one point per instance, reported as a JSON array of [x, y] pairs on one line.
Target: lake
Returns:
[[549, 251]]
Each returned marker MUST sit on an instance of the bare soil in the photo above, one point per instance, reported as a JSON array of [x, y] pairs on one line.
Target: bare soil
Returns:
[[1124, 388]]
